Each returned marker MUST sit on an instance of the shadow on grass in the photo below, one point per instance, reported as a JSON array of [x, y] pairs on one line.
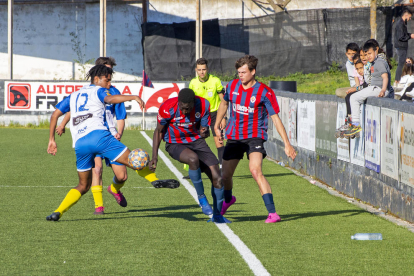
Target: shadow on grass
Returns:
[[162, 212], [289, 217], [266, 175]]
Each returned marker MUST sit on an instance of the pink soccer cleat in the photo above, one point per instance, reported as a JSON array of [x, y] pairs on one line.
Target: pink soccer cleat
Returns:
[[227, 205], [119, 197], [99, 211], [272, 218]]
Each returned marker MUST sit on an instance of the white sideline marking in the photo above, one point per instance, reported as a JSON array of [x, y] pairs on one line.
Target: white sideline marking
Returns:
[[4, 186], [248, 256]]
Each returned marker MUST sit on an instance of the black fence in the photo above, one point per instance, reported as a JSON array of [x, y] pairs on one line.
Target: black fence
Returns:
[[307, 41]]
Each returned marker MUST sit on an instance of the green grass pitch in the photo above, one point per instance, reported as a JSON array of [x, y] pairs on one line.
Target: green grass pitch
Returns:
[[163, 232]]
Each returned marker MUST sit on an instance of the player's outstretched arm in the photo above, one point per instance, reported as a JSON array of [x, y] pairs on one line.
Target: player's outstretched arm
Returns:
[[52, 147], [61, 128], [156, 141], [289, 150], [115, 99], [121, 126], [221, 112]]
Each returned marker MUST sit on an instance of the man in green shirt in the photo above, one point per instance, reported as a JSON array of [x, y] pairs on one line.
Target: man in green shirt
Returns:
[[209, 87]]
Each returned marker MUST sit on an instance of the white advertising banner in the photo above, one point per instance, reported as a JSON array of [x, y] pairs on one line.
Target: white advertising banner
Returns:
[[407, 148], [306, 125], [285, 113], [373, 138], [389, 143], [357, 145], [291, 128], [280, 101], [342, 143], [43, 96]]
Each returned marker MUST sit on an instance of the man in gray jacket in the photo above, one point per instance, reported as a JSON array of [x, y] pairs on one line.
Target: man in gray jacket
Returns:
[[401, 37]]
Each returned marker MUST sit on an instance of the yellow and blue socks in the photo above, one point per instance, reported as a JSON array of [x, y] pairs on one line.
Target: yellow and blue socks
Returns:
[[195, 176], [147, 174], [71, 198], [97, 195], [115, 186], [268, 201]]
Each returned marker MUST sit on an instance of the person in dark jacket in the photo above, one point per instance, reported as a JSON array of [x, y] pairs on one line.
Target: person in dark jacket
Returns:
[[401, 37]]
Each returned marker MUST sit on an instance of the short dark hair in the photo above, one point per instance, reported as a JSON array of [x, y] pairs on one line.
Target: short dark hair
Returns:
[[99, 71], [370, 45], [352, 46], [251, 62], [406, 10], [105, 61], [358, 61], [186, 95], [202, 61]]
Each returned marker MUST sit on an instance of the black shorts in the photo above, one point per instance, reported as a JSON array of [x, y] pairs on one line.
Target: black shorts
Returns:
[[213, 116], [200, 147], [235, 149]]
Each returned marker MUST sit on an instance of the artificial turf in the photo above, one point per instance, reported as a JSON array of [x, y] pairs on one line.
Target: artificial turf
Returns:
[[163, 232]]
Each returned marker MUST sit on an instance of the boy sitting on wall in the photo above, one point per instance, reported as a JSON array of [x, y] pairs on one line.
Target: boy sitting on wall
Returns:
[[380, 86], [352, 50]]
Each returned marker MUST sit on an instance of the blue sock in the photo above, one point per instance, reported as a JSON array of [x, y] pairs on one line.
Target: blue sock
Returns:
[[195, 176], [228, 195], [268, 201], [218, 198]]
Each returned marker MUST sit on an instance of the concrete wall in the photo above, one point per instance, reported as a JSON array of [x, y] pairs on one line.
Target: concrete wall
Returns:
[[49, 38], [394, 195]]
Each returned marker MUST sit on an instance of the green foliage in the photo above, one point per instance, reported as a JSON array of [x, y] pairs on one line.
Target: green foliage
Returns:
[[42, 125], [394, 62], [81, 57]]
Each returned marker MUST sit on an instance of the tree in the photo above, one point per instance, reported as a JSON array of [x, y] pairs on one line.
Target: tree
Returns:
[[279, 6], [373, 19]]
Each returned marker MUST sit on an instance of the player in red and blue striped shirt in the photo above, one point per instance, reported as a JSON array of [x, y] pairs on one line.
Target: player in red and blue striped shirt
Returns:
[[183, 122], [251, 103]]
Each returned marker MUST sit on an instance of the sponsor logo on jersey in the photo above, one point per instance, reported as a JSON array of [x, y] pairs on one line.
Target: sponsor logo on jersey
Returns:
[[82, 130], [242, 109], [253, 99], [197, 115], [210, 94], [80, 119], [18, 96], [185, 124], [235, 93]]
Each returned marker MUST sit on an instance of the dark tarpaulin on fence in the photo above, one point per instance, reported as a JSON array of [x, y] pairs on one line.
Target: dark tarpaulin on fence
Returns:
[[305, 41], [284, 43], [353, 25], [169, 49]]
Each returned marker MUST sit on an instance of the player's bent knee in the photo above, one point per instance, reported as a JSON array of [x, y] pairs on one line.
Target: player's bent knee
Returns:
[[193, 160], [217, 182], [256, 172], [97, 170]]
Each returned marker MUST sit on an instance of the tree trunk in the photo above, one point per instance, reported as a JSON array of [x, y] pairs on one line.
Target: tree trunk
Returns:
[[373, 19]]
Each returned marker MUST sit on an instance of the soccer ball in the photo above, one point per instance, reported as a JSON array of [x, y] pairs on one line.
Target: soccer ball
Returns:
[[138, 158]]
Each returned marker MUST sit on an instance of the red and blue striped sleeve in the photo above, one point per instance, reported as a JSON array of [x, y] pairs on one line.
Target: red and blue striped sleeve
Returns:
[[205, 119], [270, 102], [164, 115]]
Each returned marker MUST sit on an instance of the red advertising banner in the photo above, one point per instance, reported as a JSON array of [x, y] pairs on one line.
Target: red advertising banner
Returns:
[[43, 96]]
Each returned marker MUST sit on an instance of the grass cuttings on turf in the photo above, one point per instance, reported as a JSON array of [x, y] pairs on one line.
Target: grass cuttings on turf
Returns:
[[163, 232]]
